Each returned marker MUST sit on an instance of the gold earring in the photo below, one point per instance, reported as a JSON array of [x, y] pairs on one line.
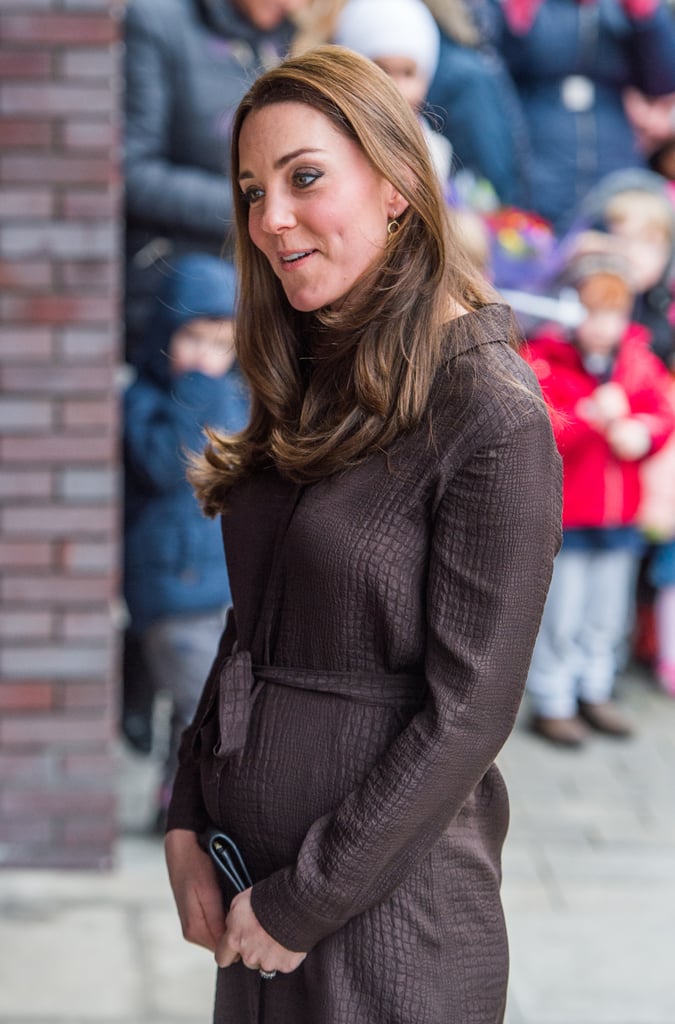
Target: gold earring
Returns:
[[393, 226]]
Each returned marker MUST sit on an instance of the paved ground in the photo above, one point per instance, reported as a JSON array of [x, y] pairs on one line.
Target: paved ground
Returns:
[[589, 892]]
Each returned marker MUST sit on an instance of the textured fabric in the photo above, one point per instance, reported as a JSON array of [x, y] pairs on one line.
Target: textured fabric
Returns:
[[372, 819], [599, 489]]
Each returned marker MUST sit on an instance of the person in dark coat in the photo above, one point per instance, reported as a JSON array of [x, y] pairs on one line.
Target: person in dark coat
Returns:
[[390, 518], [187, 65], [571, 61], [175, 583]]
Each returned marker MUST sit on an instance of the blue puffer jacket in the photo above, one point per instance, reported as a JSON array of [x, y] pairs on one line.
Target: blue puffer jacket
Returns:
[[570, 70], [174, 559]]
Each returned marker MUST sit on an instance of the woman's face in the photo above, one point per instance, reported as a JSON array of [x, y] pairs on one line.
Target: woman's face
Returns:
[[268, 14], [318, 209]]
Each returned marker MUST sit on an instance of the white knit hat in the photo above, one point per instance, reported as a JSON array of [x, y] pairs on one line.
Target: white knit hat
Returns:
[[391, 28]]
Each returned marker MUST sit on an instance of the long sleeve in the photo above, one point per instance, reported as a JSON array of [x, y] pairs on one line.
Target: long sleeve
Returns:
[[496, 528], [162, 191]]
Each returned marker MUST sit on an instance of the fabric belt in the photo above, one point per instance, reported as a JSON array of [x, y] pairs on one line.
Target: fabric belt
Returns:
[[240, 683]]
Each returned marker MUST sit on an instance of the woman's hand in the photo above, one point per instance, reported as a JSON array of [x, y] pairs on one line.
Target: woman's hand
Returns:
[[195, 889], [245, 939]]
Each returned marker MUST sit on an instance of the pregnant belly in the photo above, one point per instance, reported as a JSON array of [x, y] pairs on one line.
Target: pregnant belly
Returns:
[[304, 753]]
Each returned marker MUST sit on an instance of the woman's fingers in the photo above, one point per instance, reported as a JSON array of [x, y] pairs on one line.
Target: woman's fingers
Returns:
[[246, 939]]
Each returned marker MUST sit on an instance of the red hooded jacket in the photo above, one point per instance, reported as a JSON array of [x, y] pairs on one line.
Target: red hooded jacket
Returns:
[[600, 489]]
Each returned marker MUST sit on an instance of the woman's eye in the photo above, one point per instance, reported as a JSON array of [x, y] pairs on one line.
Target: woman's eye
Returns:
[[303, 179], [252, 195]]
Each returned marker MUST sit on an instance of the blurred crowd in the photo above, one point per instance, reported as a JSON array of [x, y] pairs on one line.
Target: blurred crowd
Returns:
[[552, 127]]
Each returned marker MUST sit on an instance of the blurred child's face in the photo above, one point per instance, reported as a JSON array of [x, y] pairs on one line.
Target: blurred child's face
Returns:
[[608, 303], [268, 14], [649, 254], [406, 74], [203, 345], [602, 330]]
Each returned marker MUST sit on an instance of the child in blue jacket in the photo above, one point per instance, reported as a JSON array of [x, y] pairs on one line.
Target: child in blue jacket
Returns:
[[175, 582]]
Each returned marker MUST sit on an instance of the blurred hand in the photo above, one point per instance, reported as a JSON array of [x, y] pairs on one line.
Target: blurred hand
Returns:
[[245, 939], [611, 402], [652, 118], [195, 889], [629, 439]]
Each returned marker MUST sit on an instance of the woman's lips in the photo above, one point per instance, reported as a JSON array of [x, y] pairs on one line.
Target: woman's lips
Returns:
[[292, 259]]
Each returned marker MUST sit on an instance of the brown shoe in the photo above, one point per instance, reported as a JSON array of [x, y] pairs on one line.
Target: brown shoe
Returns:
[[564, 732], [605, 717]]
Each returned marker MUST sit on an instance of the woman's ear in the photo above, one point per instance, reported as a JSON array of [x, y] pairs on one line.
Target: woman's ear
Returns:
[[397, 203]]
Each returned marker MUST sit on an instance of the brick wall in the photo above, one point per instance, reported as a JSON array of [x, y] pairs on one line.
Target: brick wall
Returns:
[[59, 344]]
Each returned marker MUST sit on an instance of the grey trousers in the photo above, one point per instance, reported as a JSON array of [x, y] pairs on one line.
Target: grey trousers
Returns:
[[179, 651]]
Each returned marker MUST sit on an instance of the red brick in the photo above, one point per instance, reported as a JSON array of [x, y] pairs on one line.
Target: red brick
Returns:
[[58, 308], [89, 345], [25, 133], [33, 555], [69, 29], [19, 416], [86, 765], [102, 830], [25, 64], [43, 98], [33, 768], [90, 135], [25, 697], [24, 625], [80, 558], [16, 6], [57, 858], [19, 832], [57, 169], [28, 803], [92, 204], [94, 275], [25, 275], [56, 380], [90, 485], [25, 344], [85, 625], [96, 63], [51, 661], [57, 520], [62, 239], [86, 732], [89, 414], [22, 483], [58, 449], [23, 203], [41, 591], [85, 695]]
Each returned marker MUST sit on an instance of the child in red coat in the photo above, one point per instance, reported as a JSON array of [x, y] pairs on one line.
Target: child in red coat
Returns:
[[610, 409]]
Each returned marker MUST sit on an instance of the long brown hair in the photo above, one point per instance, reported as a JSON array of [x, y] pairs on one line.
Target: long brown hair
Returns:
[[330, 387]]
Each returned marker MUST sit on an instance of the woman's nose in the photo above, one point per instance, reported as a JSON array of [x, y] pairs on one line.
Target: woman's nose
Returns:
[[278, 214]]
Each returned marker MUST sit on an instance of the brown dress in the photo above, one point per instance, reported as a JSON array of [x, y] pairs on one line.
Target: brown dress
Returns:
[[382, 630]]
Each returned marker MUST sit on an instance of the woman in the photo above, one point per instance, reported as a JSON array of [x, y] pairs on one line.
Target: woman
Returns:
[[391, 514]]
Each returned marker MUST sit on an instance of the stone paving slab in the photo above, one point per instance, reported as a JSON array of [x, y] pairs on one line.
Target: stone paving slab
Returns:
[[589, 894]]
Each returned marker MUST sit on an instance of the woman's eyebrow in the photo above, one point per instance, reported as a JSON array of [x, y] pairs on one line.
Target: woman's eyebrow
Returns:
[[283, 160]]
